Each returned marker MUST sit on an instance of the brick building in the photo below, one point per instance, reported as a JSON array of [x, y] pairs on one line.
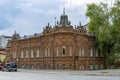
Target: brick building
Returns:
[[58, 47]]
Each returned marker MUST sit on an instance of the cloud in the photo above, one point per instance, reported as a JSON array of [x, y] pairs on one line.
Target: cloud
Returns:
[[31, 16]]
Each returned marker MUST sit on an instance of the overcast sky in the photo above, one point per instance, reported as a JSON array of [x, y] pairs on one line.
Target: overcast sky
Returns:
[[27, 17]]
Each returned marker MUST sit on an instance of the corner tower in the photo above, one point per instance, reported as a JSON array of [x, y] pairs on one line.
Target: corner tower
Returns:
[[64, 19]]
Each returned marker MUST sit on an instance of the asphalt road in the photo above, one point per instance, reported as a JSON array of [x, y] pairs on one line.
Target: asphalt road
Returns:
[[25, 75]]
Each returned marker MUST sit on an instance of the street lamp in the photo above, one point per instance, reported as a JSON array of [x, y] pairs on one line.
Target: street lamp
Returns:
[[17, 61]]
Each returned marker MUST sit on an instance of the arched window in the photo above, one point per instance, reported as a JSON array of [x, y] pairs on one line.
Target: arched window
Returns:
[[32, 54], [96, 53], [70, 51], [91, 52], [48, 54], [22, 54], [91, 67], [57, 53], [63, 51], [38, 53], [82, 51], [27, 54]]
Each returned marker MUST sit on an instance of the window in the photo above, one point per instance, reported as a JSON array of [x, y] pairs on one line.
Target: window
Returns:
[[63, 66], [22, 54], [38, 53], [90, 66], [96, 66], [82, 51], [14, 54], [27, 54], [101, 66], [82, 67], [63, 51], [101, 54], [57, 52], [70, 51], [96, 54], [91, 52], [48, 52], [32, 53]]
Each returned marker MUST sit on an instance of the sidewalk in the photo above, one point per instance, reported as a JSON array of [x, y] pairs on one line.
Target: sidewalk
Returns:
[[108, 72]]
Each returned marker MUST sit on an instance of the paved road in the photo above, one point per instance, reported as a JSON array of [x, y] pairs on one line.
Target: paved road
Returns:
[[49, 75], [108, 72]]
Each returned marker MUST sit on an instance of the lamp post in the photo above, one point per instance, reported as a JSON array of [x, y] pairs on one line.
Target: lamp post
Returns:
[[17, 61]]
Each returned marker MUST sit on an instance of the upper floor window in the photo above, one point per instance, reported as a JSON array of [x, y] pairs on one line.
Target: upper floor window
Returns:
[[63, 50], [57, 51], [82, 51], [14, 54], [48, 54], [91, 52], [32, 53], [27, 54], [79, 51], [101, 54], [96, 53], [22, 54], [45, 52], [70, 51], [38, 53]]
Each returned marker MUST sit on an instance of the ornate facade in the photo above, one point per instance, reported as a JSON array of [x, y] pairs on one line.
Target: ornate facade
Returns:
[[58, 47]]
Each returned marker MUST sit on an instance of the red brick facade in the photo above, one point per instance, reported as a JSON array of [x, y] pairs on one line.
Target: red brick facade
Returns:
[[58, 47]]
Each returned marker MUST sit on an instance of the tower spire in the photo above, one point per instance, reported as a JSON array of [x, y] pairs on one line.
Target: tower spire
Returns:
[[64, 10]]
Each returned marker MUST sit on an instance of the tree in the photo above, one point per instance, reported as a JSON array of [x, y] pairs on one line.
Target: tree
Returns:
[[105, 25]]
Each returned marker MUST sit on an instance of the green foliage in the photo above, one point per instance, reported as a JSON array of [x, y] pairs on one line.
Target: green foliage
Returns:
[[111, 59], [105, 25]]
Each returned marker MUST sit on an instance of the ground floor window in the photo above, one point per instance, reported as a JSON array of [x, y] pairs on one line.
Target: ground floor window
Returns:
[[96, 66], [101, 66], [81, 67], [91, 67], [57, 66], [38, 66], [63, 66], [32, 66]]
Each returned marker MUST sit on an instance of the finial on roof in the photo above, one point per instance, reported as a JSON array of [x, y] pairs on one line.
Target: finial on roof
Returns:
[[48, 24], [55, 21], [15, 31], [80, 23], [64, 10]]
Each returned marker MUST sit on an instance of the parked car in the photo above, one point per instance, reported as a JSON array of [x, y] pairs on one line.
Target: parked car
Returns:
[[10, 66], [1, 66]]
